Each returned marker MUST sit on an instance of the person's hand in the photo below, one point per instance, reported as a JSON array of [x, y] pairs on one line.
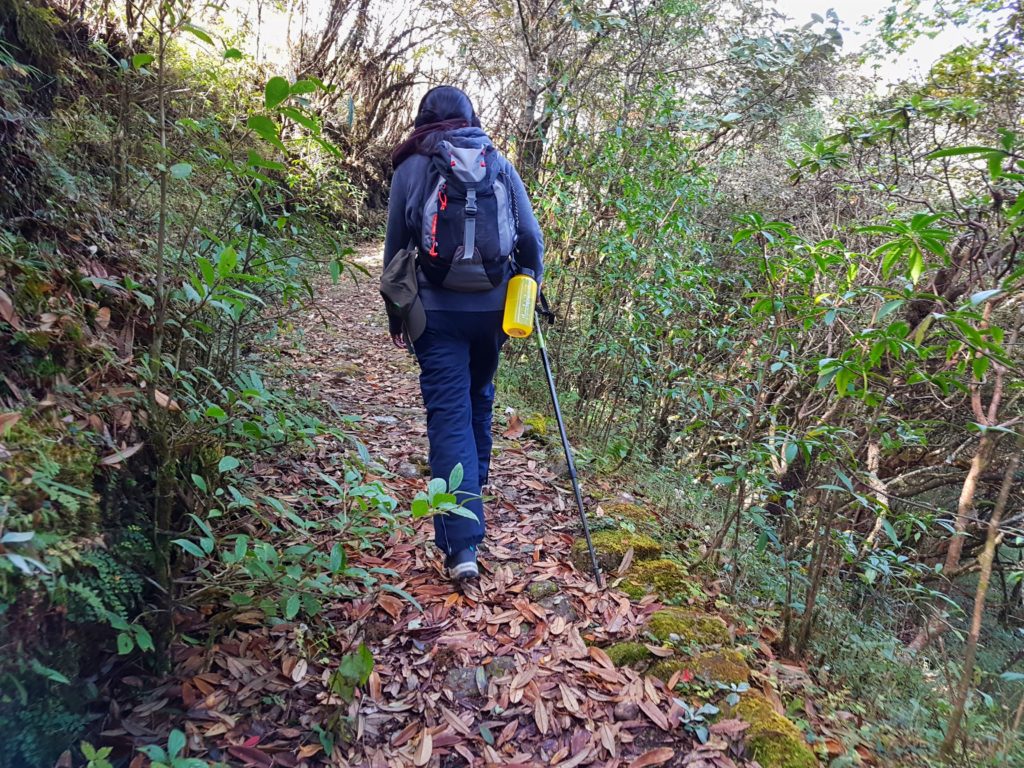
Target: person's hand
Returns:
[[398, 340]]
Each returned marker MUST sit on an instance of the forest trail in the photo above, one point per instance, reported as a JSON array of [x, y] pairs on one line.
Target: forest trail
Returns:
[[504, 674]]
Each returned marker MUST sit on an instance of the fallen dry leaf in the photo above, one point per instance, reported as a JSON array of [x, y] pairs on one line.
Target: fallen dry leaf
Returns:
[[8, 313], [116, 458], [8, 420], [516, 427], [657, 756], [425, 749]]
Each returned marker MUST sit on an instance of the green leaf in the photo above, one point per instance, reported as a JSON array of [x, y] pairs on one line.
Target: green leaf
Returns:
[[50, 674], [982, 296], [144, 639], [723, 480], [337, 561], [198, 32], [1012, 677], [190, 546], [434, 487], [291, 607], [791, 451], [358, 665], [140, 60], [124, 643], [979, 366], [206, 269], [215, 412], [300, 87], [232, 53], [956, 151], [200, 483], [420, 507], [227, 464], [180, 170], [455, 478], [309, 123], [275, 92], [486, 735], [175, 743], [227, 261], [265, 128]]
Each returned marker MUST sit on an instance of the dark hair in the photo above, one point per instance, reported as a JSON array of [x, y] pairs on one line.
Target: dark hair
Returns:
[[445, 102]]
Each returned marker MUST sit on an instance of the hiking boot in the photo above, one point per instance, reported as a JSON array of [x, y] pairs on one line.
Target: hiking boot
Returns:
[[462, 565]]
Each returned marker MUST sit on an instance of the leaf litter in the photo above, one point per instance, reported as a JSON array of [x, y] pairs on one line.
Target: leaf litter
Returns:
[[483, 677]]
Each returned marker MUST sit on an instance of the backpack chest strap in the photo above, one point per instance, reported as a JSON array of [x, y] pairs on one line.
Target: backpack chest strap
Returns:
[[469, 233]]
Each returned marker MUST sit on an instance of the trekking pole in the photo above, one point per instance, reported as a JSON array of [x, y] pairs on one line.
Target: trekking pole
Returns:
[[544, 312]]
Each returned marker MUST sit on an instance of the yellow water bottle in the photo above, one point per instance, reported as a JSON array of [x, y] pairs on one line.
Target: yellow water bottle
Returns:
[[519, 303]]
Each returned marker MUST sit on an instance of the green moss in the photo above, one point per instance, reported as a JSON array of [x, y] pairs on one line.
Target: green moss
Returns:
[[541, 589], [725, 666], [774, 740], [632, 513], [692, 628], [611, 547], [536, 425], [628, 654], [667, 578]]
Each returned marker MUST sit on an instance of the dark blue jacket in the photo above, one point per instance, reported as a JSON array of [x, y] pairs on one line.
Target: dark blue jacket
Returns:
[[409, 188]]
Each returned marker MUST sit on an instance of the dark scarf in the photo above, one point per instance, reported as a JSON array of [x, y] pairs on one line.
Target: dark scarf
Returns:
[[419, 140]]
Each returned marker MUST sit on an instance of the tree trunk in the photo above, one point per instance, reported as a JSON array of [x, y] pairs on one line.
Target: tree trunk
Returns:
[[992, 540]]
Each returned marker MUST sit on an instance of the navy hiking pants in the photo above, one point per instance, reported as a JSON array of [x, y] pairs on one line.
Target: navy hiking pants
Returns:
[[458, 356]]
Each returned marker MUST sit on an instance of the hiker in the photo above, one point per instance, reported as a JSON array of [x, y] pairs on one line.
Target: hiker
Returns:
[[451, 186]]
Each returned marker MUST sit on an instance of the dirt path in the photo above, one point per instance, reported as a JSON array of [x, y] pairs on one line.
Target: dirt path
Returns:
[[501, 674], [506, 674]]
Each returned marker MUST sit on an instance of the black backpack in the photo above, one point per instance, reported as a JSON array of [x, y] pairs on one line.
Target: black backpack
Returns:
[[469, 227]]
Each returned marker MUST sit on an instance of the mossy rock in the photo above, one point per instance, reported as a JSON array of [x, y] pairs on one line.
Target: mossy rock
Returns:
[[611, 547], [666, 578], [725, 666], [628, 654], [536, 425], [691, 627], [773, 740], [632, 513], [541, 589]]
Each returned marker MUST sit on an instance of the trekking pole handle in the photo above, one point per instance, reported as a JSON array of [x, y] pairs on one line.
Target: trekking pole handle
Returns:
[[544, 309]]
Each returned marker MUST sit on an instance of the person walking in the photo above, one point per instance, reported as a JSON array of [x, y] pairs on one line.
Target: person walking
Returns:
[[459, 225]]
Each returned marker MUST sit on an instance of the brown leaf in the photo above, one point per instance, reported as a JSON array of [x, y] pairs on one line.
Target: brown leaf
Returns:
[[656, 715], [404, 735], [103, 317], [7, 312], [730, 728], [659, 650], [657, 756], [601, 657], [568, 699], [116, 458], [165, 401], [8, 420], [251, 756], [627, 560], [834, 747], [425, 749], [540, 716], [516, 427], [299, 671]]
